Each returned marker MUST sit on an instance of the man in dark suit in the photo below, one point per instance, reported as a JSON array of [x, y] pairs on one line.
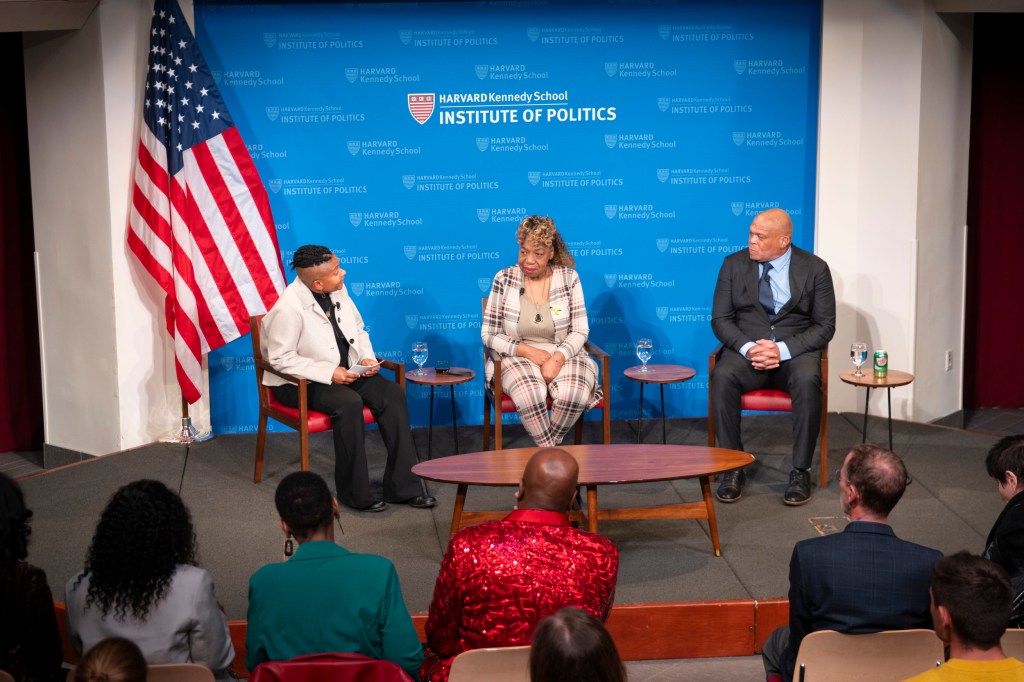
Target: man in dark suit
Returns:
[[774, 310], [864, 579]]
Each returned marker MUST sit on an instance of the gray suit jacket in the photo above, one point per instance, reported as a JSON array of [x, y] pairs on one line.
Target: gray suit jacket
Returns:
[[185, 626], [806, 323]]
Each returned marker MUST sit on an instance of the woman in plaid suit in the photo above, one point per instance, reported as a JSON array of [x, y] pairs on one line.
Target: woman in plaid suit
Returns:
[[536, 320]]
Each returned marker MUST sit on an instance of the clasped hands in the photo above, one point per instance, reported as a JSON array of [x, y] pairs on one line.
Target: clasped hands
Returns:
[[343, 376], [764, 354], [550, 363]]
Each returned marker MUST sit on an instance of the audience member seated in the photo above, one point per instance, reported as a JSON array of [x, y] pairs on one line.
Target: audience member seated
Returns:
[[573, 645], [30, 648], [500, 578], [114, 659], [864, 579], [536, 320], [141, 582], [324, 598], [971, 603], [1005, 544]]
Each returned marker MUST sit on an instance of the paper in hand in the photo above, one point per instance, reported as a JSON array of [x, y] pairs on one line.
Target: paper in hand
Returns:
[[362, 369]]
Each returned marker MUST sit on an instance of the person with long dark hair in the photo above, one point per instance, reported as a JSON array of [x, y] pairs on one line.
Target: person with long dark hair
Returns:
[[571, 644], [141, 582], [30, 647], [325, 598]]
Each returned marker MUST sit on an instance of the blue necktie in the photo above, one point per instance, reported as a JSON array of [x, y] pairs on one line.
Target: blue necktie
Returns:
[[764, 293]]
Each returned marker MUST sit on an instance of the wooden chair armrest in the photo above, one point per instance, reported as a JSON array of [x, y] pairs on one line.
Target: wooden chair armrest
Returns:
[[267, 367], [595, 349], [397, 367], [713, 358]]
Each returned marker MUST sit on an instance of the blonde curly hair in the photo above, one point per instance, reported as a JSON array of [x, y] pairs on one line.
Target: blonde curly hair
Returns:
[[541, 230]]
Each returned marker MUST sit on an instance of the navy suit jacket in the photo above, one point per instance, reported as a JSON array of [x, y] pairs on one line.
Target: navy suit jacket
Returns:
[[806, 322], [864, 579]]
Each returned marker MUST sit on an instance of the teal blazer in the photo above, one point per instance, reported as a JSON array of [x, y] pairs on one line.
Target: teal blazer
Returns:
[[327, 599]]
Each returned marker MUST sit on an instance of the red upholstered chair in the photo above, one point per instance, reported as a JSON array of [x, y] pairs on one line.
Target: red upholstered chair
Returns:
[[497, 397], [770, 400], [329, 668], [301, 418]]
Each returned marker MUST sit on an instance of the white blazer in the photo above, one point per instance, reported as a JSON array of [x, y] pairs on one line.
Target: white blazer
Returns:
[[185, 626], [298, 339]]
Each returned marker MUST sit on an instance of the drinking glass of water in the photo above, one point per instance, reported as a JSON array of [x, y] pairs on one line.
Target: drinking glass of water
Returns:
[[419, 355], [643, 351], [858, 355]]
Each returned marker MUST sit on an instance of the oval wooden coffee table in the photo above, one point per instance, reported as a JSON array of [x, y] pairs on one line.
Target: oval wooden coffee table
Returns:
[[599, 465]]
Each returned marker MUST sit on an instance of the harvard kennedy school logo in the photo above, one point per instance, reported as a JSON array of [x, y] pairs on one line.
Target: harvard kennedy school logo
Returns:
[[421, 106]]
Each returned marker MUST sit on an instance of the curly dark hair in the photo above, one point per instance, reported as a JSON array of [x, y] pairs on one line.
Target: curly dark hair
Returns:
[[304, 503], [14, 518], [310, 256], [145, 531]]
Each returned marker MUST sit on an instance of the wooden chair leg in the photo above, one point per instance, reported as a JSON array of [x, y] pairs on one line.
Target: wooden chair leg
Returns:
[[304, 448], [497, 426], [261, 441], [606, 423], [579, 430], [487, 422]]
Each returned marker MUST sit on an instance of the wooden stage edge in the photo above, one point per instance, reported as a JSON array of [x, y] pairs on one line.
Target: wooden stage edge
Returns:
[[662, 631]]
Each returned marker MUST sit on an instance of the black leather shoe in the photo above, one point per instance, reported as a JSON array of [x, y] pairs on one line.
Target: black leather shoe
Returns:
[[422, 502], [378, 506], [731, 487], [799, 489]]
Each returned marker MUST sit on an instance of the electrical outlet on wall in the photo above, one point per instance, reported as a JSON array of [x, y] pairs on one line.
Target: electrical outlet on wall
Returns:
[[949, 359]]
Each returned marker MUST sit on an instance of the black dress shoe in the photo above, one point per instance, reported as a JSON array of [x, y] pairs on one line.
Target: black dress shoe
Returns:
[[799, 489], [731, 487], [378, 506], [422, 502]]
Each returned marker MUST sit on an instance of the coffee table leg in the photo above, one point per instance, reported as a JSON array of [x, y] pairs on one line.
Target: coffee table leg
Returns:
[[455, 427], [460, 502], [705, 488], [592, 508], [864, 429]]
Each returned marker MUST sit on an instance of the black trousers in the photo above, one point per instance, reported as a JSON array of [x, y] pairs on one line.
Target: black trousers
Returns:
[[344, 404], [800, 377]]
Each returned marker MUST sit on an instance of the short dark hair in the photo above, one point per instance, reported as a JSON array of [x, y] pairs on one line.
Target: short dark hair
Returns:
[[572, 644], [304, 503], [879, 475], [1006, 455], [14, 518], [310, 256], [979, 597], [114, 659]]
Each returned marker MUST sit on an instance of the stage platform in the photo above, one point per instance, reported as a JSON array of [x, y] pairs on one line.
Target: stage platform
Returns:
[[950, 505]]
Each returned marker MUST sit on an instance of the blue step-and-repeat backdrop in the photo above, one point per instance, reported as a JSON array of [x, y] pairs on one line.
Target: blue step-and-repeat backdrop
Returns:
[[412, 138]]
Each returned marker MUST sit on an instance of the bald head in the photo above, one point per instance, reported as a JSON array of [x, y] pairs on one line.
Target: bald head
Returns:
[[770, 235], [549, 480]]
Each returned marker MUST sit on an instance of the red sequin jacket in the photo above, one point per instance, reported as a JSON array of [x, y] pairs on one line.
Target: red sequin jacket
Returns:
[[499, 579]]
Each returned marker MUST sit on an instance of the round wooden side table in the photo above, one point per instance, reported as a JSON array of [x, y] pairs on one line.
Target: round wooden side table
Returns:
[[869, 381], [661, 375], [431, 378]]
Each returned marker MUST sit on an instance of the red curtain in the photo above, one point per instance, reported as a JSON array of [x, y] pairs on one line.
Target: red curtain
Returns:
[[21, 403], [994, 368]]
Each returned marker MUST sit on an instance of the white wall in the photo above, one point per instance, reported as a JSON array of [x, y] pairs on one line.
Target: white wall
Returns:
[[108, 365], [892, 176], [891, 208]]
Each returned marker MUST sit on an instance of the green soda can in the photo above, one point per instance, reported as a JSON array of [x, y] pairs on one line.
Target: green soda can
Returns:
[[881, 364]]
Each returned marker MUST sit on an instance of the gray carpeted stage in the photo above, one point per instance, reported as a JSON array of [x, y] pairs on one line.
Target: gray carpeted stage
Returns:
[[950, 506]]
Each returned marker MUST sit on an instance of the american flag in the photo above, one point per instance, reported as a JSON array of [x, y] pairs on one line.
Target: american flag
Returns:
[[200, 220]]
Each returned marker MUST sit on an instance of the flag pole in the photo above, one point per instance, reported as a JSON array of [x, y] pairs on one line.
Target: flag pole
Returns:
[[187, 434]]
